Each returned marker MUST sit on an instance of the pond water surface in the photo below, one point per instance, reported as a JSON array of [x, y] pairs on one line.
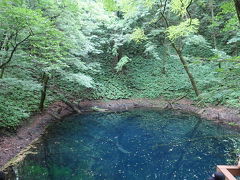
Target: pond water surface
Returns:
[[140, 144]]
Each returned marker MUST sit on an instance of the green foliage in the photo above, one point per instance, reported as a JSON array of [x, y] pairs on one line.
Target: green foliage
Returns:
[[184, 29], [19, 18], [228, 16], [198, 46], [89, 52], [123, 61], [142, 78], [138, 35], [18, 25], [234, 39], [128, 6], [18, 99], [180, 6], [51, 47], [110, 5], [80, 79]]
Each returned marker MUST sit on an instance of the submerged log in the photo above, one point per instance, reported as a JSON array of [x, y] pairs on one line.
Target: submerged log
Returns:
[[95, 108], [55, 115], [74, 107]]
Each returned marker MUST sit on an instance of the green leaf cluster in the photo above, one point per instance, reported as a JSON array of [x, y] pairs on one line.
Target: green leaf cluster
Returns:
[[184, 29]]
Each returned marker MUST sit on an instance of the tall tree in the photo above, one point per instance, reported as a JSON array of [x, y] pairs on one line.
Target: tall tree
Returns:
[[173, 33]]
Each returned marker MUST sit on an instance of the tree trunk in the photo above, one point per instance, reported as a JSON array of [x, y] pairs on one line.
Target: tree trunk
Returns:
[[43, 91], [118, 57], [237, 6], [185, 65], [120, 53], [213, 16]]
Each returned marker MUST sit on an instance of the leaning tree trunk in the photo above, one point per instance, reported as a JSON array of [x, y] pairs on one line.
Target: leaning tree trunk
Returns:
[[237, 6], [185, 65], [45, 79], [183, 61]]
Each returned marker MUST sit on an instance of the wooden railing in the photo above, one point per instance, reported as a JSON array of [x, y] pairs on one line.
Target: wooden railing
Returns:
[[230, 172]]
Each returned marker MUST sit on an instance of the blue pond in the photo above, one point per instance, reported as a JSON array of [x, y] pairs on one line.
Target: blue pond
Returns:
[[142, 144]]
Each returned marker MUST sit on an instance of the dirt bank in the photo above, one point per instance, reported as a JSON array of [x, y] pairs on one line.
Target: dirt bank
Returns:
[[12, 145], [220, 114]]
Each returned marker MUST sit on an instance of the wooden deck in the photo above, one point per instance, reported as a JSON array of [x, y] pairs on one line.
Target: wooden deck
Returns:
[[230, 172]]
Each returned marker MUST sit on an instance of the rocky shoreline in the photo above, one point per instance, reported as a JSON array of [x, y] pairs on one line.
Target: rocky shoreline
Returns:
[[31, 131]]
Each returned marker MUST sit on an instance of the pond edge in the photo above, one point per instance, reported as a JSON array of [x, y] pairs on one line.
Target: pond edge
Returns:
[[14, 148]]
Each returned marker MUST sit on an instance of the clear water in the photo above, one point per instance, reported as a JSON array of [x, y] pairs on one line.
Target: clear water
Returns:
[[141, 144]]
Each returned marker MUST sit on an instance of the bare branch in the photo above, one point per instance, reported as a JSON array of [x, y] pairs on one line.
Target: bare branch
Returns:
[[189, 14], [12, 44], [13, 51], [165, 5], [165, 19]]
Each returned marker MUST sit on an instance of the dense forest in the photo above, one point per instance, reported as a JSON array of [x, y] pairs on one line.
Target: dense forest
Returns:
[[70, 50]]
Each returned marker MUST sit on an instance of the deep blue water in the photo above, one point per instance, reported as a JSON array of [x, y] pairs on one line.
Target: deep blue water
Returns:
[[141, 144]]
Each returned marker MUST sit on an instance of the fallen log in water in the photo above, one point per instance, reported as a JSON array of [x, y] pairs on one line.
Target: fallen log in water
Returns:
[[73, 106]]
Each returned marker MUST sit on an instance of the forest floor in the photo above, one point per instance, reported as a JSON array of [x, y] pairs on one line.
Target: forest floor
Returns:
[[13, 144]]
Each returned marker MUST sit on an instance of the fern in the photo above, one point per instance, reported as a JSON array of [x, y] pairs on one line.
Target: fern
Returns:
[[123, 61]]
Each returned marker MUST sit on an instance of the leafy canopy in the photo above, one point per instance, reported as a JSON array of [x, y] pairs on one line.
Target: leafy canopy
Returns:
[[184, 29]]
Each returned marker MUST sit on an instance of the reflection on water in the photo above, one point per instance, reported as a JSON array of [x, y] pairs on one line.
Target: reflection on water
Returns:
[[134, 145]]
